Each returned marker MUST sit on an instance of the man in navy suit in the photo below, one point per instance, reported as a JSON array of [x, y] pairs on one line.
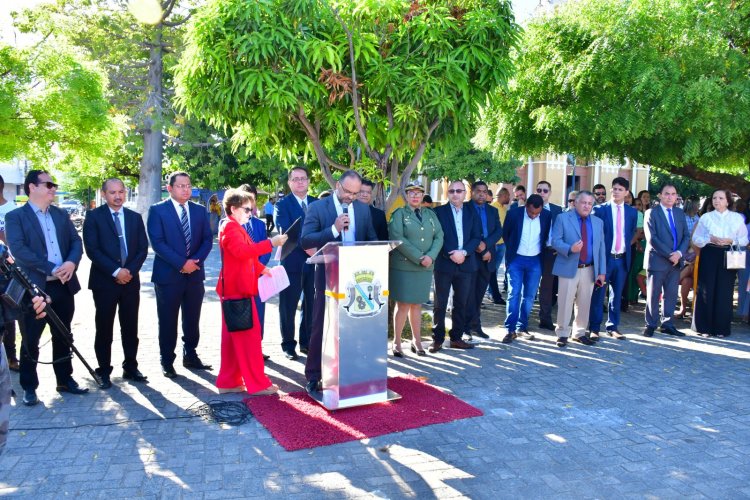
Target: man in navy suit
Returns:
[[115, 241], [180, 234], [339, 217], [492, 231], [620, 220], [667, 241], [301, 275], [548, 285], [526, 232], [455, 266], [47, 247]]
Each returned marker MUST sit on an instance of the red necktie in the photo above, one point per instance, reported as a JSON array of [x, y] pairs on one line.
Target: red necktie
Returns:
[[585, 239]]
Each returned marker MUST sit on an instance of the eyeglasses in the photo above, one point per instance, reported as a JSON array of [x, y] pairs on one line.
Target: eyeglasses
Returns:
[[572, 201], [183, 186], [600, 193], [247, 209], [350, 193], [414, 194], [299, 179], [542, 190], [456, 191], [47, 184]]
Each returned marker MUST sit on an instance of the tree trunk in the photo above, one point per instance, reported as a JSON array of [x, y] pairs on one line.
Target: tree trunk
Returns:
[[150, 181], [737, 184]]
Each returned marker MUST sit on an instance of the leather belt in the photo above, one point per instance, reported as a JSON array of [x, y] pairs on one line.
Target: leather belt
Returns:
[[618, 255], [581, 266]]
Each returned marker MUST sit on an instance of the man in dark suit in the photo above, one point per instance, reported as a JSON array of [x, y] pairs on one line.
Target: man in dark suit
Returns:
[[330, 219], [526, 233], [115, 241], [379, 223], [548, 285], [45, 244], [667, 241], [455, 266], [180, 235], [301, 275], [491, 232], [620, 220]]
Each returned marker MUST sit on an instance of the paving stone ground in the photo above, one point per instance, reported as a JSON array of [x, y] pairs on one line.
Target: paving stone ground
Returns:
[[657, 417]]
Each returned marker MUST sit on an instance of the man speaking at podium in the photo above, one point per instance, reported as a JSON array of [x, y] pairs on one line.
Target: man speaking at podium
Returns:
[[340, 217]]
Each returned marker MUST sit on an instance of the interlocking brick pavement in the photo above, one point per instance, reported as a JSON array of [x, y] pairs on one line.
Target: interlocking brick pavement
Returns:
[[657, 417]]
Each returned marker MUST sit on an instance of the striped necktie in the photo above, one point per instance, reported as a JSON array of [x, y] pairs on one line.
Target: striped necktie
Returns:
[[185, 229]]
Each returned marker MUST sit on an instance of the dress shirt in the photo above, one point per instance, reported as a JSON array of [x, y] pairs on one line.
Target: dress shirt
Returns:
[[726, 224], [625, 242], [54, 255], [666, 216], [300, 200], [178, 208], [458, 220], [122, 226], [349, 233], [531, 234]]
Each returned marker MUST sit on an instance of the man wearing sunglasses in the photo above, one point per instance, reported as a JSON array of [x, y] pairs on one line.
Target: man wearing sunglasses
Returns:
[[455, 266], [548, 285], [47, 247], [600, 194], [180, 234]]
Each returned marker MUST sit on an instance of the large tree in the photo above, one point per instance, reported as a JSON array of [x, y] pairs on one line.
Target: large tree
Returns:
[[663, 82], [378, 81]]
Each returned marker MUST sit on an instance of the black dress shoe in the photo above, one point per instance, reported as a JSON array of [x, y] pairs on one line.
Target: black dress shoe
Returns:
[[435, 347], [671, 330], [303, 350], [584, 340], [106, 382], [312, 386], [134, 375], [480, 333], [168, 371], [562, 341], [72, 387], [508, 337], [547, 325], [29, 398], [648, 331], [499, 302], [291, 355], [195, 363]]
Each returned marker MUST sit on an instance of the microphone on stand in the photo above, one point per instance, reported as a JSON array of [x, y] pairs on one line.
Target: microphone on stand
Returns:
[[345, 209]]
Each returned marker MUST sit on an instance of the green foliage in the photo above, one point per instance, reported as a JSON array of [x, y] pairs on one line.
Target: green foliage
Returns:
[[661, 81], [470, 163], [280, 75]]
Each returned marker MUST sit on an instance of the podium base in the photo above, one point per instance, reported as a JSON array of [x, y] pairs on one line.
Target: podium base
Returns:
[[328, 399]]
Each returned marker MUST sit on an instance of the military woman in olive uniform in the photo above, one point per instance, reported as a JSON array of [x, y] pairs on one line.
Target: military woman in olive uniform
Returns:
[[411, 264]]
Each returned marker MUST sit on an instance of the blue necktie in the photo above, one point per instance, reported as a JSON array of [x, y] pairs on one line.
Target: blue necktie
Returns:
[[185, 229], [121, 238], [673, 228]]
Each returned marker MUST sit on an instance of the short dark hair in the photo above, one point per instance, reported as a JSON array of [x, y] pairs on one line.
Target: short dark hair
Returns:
[[368, 182], [476, 184], [727, 193], [599, 186], [535, 201], [32, 177], [519, 188], [111, 179], [503, 190], [249, 188], [172, 178], [426, 199], [666, 184], [235, 198], [299, 167], [350, 173], [545, 182], [2, 182], [621, 181]]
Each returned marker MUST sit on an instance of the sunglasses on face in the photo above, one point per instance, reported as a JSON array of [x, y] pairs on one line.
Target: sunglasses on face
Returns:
[[47, 184], [600, 193], [542, 190], [456, 191], [571, 201], [247, 209]]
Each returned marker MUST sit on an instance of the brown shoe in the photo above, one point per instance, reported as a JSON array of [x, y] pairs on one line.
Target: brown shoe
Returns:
[[435, 347], [460, 344], [13, 365]]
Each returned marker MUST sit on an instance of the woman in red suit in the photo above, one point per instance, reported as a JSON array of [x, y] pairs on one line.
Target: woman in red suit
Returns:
[[241, 356]]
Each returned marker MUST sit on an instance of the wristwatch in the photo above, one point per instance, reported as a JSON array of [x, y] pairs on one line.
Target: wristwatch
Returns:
[[465, 253]]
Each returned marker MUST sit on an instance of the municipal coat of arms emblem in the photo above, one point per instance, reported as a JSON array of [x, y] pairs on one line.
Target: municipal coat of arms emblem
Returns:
[[364, 295]]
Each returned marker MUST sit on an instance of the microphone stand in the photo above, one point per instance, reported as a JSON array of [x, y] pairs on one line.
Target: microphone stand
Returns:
[[13, 272]]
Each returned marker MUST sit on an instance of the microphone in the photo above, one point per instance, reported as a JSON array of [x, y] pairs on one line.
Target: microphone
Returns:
[[345, 208]]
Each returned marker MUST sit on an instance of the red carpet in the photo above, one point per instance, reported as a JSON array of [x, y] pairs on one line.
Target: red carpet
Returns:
[[298, 422]]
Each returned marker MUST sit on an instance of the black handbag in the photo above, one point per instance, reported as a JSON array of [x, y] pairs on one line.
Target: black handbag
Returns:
[[238, 313]]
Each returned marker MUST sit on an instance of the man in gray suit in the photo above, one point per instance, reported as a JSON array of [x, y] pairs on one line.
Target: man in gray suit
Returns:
[[580, 262], [667, 240]]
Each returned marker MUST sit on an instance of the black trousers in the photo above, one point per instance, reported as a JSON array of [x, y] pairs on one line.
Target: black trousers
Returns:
[[185, 296], [462, 287], [107, 301], [313, 370], [547, 287], [269, 224], [64, 306], [476, 295], [715, 293], [300, 284]]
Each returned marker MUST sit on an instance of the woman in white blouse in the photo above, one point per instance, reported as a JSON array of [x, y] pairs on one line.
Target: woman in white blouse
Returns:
[[717, 229]]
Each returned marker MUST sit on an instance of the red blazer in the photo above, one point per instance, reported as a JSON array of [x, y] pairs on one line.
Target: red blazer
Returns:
[[241, 268]]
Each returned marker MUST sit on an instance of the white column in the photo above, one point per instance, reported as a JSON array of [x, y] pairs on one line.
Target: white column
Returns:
[[530, 177]]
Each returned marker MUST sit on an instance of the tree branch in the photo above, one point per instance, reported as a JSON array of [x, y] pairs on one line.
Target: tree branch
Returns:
[[180, 142], [323, 159], [735, 183]]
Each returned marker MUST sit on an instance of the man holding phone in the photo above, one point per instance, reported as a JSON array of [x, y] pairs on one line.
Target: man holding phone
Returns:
[[580, 264]]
